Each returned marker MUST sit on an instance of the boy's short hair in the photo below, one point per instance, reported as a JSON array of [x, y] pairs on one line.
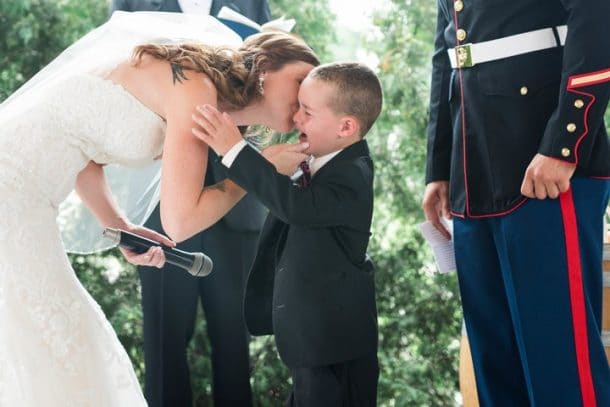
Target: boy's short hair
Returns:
[[358, 91]]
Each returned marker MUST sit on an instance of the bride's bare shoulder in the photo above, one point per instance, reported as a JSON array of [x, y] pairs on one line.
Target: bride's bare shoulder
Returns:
[[187, 89], [192, 85]]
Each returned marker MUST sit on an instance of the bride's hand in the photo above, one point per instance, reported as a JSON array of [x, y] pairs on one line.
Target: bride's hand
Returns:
[[154, 257], [286, 157]]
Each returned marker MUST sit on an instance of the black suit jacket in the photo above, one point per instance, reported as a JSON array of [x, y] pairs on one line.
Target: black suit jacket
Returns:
[[256, 10], [483, 132], [311, 283]]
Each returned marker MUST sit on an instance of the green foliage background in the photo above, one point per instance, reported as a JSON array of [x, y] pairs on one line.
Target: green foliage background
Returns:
[[419, 316]]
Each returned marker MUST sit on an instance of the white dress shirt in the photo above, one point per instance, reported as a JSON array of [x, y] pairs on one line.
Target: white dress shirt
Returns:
[[195, 6]]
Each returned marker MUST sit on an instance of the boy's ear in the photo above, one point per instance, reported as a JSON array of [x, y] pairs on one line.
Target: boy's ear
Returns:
[[349, 126]]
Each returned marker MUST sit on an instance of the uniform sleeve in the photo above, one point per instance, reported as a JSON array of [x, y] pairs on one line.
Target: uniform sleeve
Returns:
[[439, 124], [585, 82]]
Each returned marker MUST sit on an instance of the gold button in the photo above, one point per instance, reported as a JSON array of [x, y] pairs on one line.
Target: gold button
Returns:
[[571, 127], [461, 35], [524, 90], [458, 5], [565, 152], [578, 103]]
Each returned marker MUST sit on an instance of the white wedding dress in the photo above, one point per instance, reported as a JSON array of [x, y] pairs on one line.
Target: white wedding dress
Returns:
[[56, 346]]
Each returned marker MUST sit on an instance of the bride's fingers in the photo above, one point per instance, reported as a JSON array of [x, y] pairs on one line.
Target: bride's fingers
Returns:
[[157, 237], [153, 257], [135, 258], [157, 258]]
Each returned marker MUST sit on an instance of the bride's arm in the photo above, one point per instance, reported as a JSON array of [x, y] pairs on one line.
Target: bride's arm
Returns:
[[187, 207], [93, 190]]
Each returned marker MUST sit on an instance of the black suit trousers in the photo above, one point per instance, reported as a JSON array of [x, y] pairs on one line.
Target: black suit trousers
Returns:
[[346, 384], [170, 297]]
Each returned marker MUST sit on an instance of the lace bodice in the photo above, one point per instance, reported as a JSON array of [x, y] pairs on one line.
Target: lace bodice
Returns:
[[79, 119]]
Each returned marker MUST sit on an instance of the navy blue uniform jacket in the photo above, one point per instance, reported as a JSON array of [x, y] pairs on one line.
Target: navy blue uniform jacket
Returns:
[[483, 132]]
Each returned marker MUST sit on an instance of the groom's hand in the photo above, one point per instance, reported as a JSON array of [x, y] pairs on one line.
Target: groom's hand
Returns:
[[216, 129]]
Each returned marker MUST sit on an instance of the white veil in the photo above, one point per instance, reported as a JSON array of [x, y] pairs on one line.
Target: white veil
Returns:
[[98, 52]]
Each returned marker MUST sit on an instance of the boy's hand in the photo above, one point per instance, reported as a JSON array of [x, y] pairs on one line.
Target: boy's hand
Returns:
[[286, 157], [216, 129]]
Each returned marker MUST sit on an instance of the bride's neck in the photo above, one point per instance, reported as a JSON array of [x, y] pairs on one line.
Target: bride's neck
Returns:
[[248, 116]]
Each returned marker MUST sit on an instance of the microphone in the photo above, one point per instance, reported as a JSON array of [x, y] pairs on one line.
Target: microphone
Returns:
[[197, 264]]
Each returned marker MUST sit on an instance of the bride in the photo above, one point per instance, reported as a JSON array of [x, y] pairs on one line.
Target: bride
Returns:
[[57, 133]]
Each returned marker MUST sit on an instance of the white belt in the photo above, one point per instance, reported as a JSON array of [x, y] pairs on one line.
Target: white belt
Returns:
[[468, 55]]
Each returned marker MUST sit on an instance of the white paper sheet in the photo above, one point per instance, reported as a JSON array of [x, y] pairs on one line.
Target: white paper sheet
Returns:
[[442, 249]]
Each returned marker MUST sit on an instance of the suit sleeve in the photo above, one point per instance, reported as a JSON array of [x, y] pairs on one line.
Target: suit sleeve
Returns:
[[585, 83], [439, 123], [336, 201]]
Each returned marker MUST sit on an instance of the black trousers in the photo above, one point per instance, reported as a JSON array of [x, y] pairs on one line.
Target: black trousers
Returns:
[[347, 384], [169, 301]]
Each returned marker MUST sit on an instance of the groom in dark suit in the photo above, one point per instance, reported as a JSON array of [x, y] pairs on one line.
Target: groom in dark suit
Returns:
[[311, 284], [256, 10], [170, 297]]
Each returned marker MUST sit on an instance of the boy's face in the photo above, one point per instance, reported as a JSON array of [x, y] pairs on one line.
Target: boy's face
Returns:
[[317, 123], [280, 97]]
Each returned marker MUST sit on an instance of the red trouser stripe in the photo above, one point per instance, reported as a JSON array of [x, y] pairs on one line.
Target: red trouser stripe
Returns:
[[577, 300]]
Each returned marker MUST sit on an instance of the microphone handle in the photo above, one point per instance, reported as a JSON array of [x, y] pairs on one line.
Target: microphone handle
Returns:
[[173, 256]]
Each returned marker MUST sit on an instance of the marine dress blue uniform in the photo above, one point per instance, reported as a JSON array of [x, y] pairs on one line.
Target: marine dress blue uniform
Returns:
[[512, 79]]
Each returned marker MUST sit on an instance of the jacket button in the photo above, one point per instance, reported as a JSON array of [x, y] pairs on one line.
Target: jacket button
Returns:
[[458, 5], [461, 35], [565, 152], [571, 127], [578, 103], [524, 90]]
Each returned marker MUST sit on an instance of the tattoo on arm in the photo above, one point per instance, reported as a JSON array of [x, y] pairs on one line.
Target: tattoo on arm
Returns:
[[177, 73]]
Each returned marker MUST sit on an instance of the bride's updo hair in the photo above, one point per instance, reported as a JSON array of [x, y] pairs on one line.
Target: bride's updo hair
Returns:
[[235, 73]]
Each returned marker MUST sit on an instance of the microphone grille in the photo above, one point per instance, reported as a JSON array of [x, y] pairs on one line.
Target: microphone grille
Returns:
[[202, 265]]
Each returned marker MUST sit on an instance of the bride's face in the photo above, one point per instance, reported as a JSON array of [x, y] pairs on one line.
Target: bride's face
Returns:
[[281, 89]]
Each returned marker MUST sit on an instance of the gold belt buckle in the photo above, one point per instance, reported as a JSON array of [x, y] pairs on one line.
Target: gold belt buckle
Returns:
[[463, 56]]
